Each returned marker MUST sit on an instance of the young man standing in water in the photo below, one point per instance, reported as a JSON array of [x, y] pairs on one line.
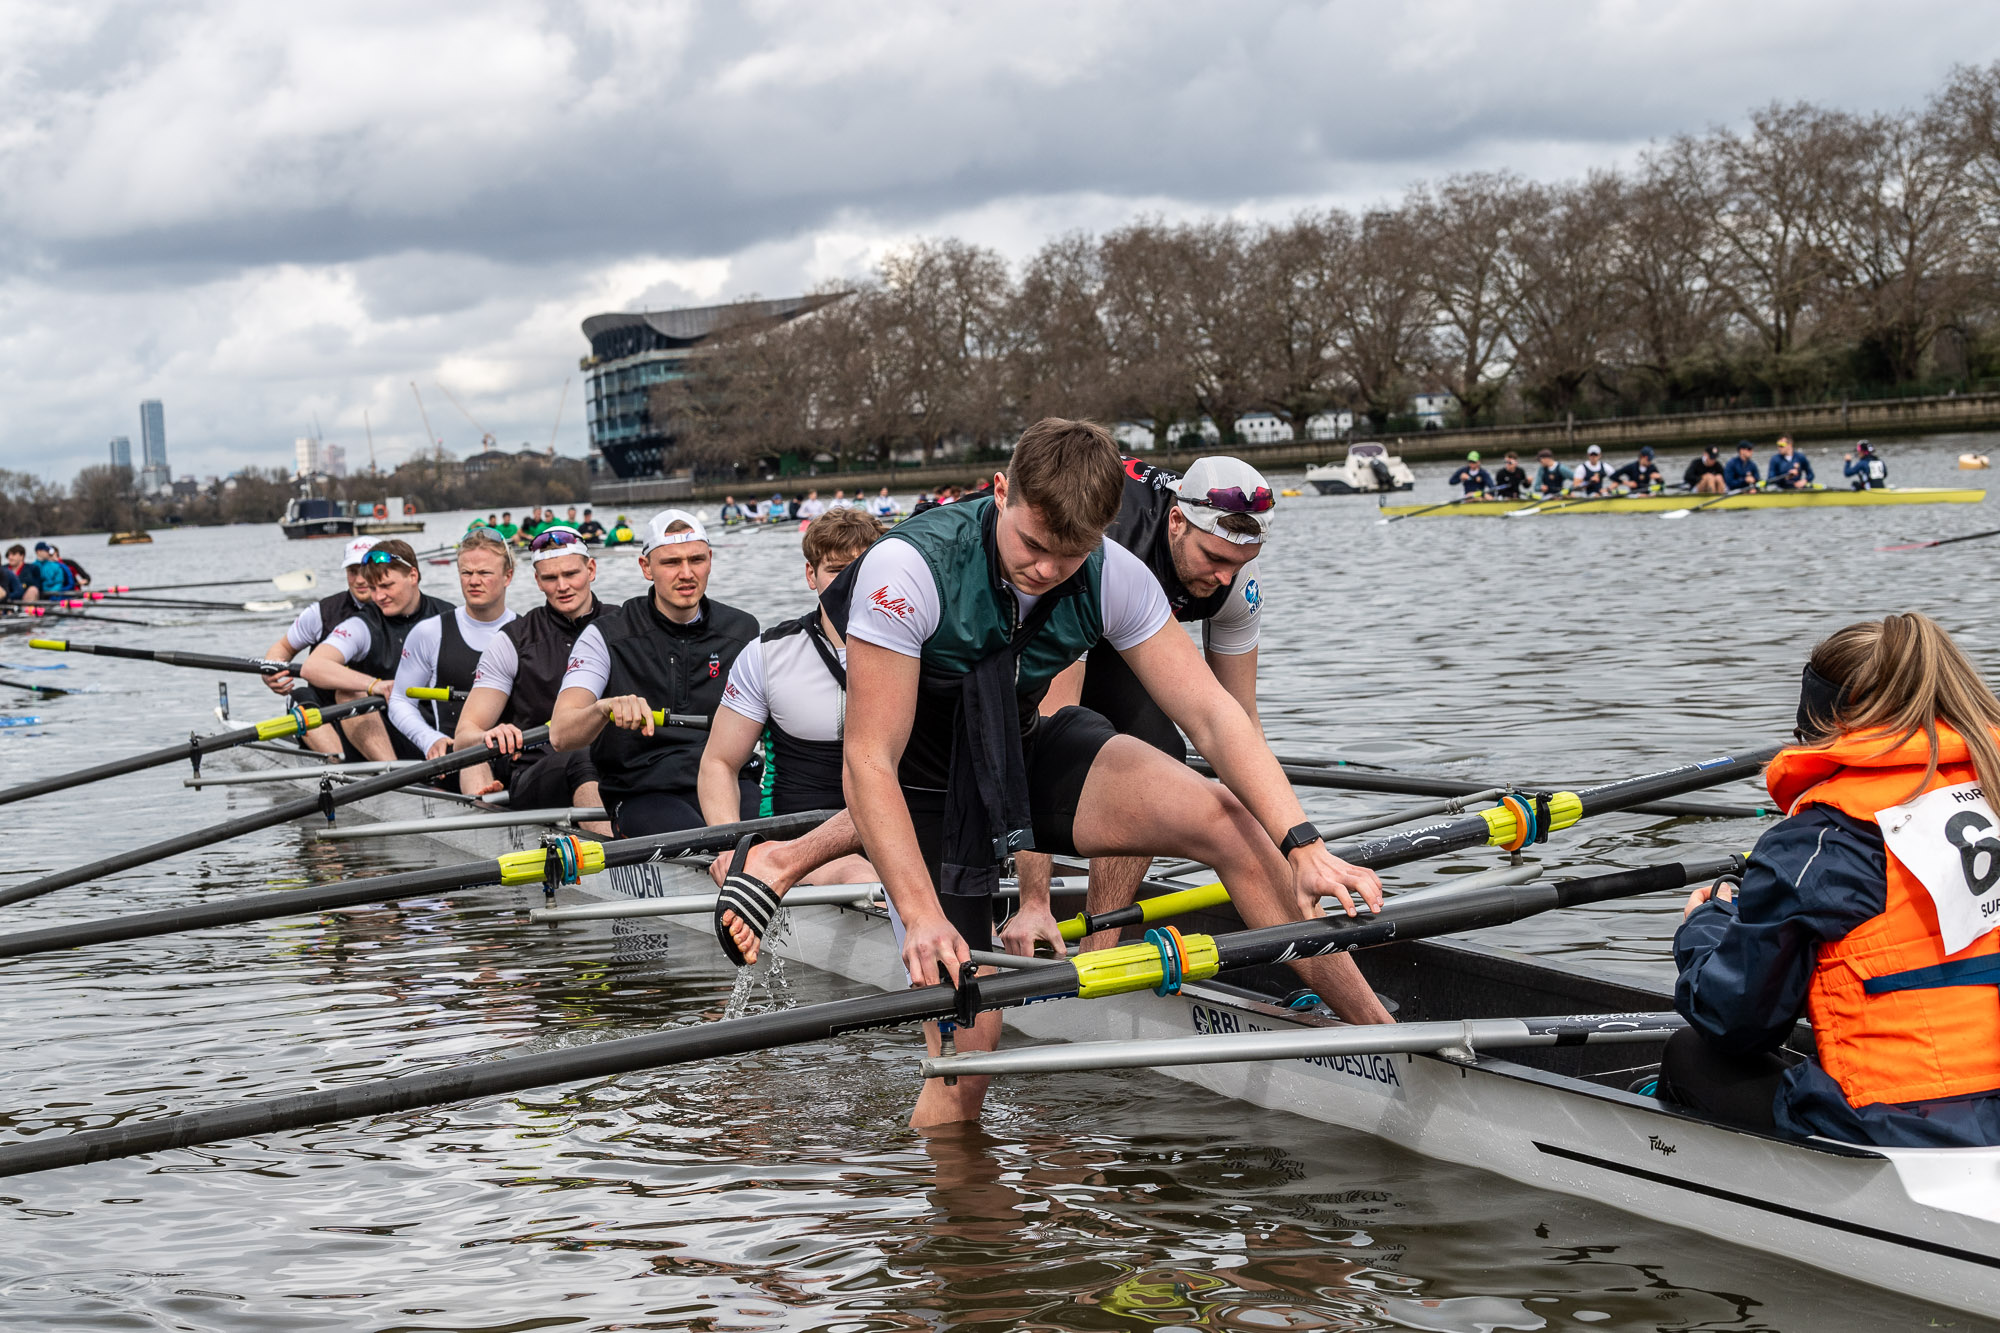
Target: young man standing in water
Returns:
[[956, 622]]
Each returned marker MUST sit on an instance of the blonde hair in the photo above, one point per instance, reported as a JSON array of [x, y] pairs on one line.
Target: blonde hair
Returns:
[[481, 540], [1900, 675]]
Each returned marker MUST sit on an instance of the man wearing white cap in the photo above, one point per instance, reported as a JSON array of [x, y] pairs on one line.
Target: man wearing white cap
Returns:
[[667, 650], [314, 624], [1200, 536], [1592, 474]]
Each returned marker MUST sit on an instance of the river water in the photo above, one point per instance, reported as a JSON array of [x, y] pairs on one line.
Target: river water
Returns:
[[783, 1190]]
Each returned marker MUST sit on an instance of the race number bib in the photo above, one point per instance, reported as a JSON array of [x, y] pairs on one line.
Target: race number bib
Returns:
[[1950, 840]]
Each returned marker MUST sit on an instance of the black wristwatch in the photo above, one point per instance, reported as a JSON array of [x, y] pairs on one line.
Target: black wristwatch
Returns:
[[1299, 835]]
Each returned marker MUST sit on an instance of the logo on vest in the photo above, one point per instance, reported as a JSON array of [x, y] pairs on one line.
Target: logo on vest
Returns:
[[1949, 839], [898, 607]]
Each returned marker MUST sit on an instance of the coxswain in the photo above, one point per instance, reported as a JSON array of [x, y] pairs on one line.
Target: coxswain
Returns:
[[1861, 910], [1705, 475], [308, 630], [444, 651], [359, 655], [1592, 476], [1641, 476], [1866, 467], [668, 649], [1200, 536], [515, 686], [1551, 478], [1790, 470], [1475, 479], [956, 623], [590, 529], [1740, 472], [621, 532], [1510, 480], [788, 685]]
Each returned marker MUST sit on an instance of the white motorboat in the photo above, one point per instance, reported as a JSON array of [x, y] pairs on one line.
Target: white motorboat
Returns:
[[1370, 469]]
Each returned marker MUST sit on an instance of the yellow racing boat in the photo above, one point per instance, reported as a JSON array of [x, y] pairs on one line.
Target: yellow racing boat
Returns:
[[1816, 498]]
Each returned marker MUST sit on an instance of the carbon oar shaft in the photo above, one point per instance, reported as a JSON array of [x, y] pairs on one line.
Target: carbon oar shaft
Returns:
[[1410, 784], [383, 888], [331, 798], [195, 748], [252, 666], [1111, 971]]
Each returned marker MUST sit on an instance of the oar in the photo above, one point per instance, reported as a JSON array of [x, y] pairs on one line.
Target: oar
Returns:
[[693, 721], [251, 666], [1408, 784], [1429, 509], [1553, 507], [523, 867], [187, 603], [328, 799], [569, 814], [1942, 541], [40, 691], [296, 580], [1471, 1034], [58, 613], [192, 750], [1119, 971], [1705, 504]]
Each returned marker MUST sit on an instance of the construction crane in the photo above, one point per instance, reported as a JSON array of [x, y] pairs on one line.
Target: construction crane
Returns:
[[559, 407], [486, 440], [437, 445]]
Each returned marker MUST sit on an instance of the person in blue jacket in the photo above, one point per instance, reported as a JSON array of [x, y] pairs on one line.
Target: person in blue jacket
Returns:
[[1790, 470], [1867, 469], [51, 575], [1475, 479], [1740, 472]]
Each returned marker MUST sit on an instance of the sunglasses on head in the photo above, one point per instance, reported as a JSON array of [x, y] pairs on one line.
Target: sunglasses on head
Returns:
[[1232, 500], [554, 537], [384, 558]]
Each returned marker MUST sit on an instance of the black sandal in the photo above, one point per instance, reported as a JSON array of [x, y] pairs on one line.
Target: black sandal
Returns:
[[752, 900]]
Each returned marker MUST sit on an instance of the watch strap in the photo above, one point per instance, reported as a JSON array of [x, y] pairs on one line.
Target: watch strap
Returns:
[[1299, 835]]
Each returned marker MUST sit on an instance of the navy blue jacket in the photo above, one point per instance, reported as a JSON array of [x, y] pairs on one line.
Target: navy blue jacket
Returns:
[[1473, 477], [1746, 968], [1799, 466], [1740, 473], [1859, 468], [11, 587]]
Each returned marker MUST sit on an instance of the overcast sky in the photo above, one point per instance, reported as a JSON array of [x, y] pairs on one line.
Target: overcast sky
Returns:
[[261, 212]]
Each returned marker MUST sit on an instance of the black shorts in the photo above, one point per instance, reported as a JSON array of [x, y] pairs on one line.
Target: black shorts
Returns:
[[1110, 689], [1059, 756], [643, 814], [548, 781]]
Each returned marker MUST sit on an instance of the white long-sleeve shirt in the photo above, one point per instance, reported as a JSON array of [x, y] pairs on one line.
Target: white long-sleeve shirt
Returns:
[[419, 668]]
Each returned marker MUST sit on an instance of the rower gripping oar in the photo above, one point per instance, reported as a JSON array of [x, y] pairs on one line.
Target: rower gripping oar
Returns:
[[251, 666], [295, 723], [1161, 965]]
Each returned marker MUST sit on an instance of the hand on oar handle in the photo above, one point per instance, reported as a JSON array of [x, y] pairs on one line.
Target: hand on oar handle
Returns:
[[1033, 924], [503, 739], [1318, 873], [933, 950], [629, 712]]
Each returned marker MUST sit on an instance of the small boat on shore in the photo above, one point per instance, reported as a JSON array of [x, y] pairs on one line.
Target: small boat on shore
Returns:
[[1658, 504], [130, 539], [1370, 469]]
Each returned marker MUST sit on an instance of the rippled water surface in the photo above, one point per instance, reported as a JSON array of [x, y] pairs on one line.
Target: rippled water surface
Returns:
[[783, 1190]]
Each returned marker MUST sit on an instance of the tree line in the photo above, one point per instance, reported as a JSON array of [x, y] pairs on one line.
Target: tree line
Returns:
[[1812, 254]]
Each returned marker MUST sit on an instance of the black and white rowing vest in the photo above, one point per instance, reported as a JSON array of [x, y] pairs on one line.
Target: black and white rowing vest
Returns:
[[542, 640], [386, 634], [805, 702], [1590, 477], [681, 668], [456, 663], [333, 608]]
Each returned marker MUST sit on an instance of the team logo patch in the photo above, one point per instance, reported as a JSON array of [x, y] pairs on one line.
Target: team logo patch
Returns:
[[575, 664], [899, 607], [1252, 595], [730, 691]]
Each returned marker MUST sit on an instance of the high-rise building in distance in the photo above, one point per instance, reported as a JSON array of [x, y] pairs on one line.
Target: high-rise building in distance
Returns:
[[333, 459], [154, 475], [306, 450], [121, 451]]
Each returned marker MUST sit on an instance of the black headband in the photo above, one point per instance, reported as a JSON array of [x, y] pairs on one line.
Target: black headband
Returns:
[[1819, 701]]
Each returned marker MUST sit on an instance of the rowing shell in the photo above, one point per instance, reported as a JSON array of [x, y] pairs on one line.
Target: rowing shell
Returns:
[[1657, 504], [1923, 1222]]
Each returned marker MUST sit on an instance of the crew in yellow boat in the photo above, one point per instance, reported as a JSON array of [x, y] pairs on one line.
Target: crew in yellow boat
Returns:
[[1872, 909]]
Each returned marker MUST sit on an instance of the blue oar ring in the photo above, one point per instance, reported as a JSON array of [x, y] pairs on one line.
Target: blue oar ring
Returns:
[[1527, 828], [1168, 941], [297, 714], [567, 850]]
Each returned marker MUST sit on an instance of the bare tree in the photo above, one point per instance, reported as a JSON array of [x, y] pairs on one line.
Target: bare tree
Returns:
[[1295, 292], [1673, 312], [1386, 320], [1561, 281], [1145, 312], [1058, 360], [1465, 226], [945, 301]]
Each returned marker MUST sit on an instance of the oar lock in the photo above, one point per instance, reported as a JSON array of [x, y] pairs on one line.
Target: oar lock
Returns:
[[1521, 819], [563, 858]]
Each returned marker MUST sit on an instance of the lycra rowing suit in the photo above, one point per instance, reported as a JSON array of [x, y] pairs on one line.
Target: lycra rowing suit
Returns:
[[525, 661], [1871, 908], [443, 651], [794, 681], [650, 782], [1229, 616], [932, 589], [371, 642]]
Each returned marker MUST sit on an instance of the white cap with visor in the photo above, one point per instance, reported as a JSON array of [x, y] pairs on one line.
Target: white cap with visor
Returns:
[[1219, 486], [357, 552], [658, 536]]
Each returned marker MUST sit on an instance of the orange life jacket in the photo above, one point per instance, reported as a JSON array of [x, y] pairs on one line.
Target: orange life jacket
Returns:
[[1898, 1045]]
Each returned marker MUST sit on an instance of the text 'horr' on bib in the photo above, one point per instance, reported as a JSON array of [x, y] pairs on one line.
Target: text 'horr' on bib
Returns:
[[1949, 839]]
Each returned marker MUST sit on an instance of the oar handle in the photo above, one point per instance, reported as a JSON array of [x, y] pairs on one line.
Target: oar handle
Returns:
[[436, 694], [662, 718], [1146, 911]]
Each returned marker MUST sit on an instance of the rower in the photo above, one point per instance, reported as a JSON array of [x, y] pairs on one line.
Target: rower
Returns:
[[81, 576], [1641, 476], [1705, 475], [505, 527], [1200, 536], [308, 630], [790, 684], [1861, 910], [13, 581], [731, 513], [1740, 472], [359, 655], [590, 529], [1870, 473], [1475, 479], [812, 506], [956, 623], [444, 651], [669, 648], [1790, 470], [884, 506], [1551, 478], [51, 575], [1510, 481], [1592, 476], [515, 688]]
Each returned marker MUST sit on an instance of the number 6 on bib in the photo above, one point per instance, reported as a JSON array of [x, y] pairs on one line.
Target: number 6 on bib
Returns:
[[1950, 840]]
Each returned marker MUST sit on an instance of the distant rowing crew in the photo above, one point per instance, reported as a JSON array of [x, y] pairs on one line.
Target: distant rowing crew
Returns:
[[805, 506], [1787, 470], [48, 576]]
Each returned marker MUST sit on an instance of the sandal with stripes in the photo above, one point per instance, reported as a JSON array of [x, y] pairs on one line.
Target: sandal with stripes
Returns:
[[752, 900]]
